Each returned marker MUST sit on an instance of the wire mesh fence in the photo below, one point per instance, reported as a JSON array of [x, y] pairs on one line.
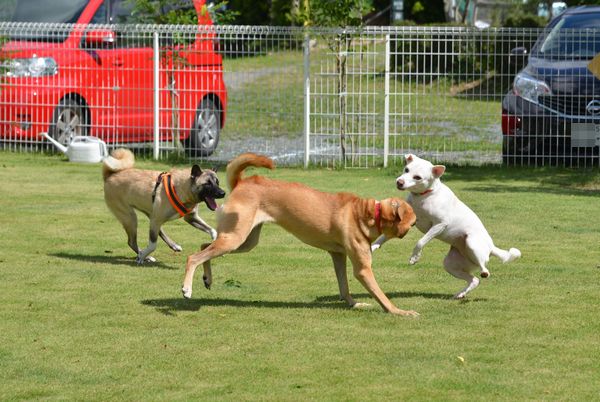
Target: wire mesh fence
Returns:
[[330, 97]]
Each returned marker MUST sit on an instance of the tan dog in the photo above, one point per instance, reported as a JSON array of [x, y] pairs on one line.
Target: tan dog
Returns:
[[151, 192], [341, 224]]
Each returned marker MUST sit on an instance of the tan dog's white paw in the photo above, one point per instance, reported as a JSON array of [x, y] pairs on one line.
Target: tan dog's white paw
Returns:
[[361, 305], [187, 293], [414, 258], [140, 260]]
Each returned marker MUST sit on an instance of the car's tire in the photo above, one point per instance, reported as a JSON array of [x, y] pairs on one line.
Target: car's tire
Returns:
[[205, 131], [68, 120], [509, 157]]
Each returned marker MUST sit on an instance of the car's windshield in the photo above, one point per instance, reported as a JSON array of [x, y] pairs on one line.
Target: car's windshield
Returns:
[[46, 11], [572, 37]]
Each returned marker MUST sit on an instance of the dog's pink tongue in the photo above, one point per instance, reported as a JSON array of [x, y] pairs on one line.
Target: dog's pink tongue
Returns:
[[210, 202]]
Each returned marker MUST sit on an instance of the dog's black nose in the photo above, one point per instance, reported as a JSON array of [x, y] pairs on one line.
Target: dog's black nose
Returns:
[[400, 184]]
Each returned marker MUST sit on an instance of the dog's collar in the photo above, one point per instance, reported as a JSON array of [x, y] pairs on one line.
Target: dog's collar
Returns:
[[429, 190], [165, 179], [378, 216]]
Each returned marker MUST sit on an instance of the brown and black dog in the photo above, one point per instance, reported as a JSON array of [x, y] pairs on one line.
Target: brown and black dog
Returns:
[[160, 196], [342, 224]]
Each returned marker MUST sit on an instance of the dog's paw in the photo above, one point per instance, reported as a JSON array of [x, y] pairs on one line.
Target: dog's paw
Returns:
[[141, 260], [361, 305], [460, 295], [207, 282], [414, 259], [375, 247], [177, 248], [213, 234], [187, 293]]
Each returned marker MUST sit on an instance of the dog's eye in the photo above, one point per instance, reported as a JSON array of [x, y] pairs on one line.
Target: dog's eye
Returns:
[[406, 170], [417, 177]]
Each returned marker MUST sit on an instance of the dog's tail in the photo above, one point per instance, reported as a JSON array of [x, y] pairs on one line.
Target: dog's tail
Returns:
[[119, 159], [506, 256], [236, 167]]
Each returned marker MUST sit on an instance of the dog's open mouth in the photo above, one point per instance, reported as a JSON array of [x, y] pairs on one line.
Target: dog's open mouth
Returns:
[[210, 203]]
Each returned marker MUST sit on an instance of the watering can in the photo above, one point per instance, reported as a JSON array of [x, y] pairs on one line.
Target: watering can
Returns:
[[82, 149]]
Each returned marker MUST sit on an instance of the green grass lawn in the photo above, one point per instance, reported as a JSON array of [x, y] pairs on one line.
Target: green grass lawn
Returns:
[[81, 321]]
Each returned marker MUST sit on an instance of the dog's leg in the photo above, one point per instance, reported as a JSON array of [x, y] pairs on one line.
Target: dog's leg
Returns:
[[207, 276], [128, 218], [460, 267], [172, 245], [361, 262], [339, 264], [250, 242], [379, 242], [153, 238], [233, 240], [194, 219], [478, 251], [432, 233]]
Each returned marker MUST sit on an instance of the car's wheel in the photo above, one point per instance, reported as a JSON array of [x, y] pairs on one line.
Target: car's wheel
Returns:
[[204, 135], [68, 121], [509, 152]]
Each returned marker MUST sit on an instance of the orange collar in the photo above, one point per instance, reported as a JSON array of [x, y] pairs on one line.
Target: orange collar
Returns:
[[426, 191], [378, 216], [172, 196]]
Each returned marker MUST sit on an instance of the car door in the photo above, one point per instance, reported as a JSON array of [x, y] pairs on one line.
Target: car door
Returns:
[[97, 78], [134, 82]]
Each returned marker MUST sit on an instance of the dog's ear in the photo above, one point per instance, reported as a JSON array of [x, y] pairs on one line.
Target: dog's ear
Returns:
[[438, 170], [389, 211], [215, 169], [409, 158], [196, 171]]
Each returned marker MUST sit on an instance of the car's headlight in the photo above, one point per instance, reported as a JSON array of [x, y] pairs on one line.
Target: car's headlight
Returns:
[[530, 88], [32, 67]]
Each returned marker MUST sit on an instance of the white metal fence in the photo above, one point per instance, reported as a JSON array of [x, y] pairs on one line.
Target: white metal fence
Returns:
[[354, 98]]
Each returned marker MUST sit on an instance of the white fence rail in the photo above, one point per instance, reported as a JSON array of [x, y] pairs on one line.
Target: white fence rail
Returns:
[[353, 98]]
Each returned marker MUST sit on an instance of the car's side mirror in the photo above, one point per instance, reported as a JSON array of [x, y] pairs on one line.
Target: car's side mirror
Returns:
[[519, 51], [100, 38], [517, 56]]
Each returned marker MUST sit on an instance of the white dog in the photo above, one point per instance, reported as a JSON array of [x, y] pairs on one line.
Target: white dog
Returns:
[[440, 214]]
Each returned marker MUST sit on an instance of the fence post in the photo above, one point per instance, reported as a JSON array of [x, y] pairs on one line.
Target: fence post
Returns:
[[306, 99], [156, 86], [386, 104]]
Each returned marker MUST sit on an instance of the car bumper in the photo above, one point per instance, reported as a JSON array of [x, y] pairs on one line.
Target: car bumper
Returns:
[[25, 110], [533, 131]]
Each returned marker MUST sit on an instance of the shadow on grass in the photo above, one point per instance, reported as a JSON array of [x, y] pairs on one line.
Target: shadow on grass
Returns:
[[110, 259], [171, 306], [557, 181], [541, 189], [551, 176], [391, 295]]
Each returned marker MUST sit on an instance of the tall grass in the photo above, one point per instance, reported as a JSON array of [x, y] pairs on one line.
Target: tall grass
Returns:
[[80, 320]]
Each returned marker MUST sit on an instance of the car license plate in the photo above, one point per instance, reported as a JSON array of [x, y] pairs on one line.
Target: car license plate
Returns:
[[585, 135]]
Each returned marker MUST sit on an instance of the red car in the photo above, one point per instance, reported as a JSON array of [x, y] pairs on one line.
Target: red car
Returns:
[[82, 79]]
